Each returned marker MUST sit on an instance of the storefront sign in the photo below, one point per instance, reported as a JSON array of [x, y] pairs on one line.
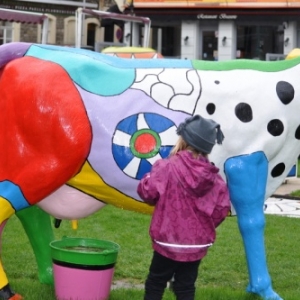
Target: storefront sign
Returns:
[[217, 17], [38, 7]]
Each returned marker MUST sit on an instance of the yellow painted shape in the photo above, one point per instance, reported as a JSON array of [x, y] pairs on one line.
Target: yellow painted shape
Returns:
[[3, 277], [293, 54], [128, 50], [74, 224], [5, 212], [89, 182]]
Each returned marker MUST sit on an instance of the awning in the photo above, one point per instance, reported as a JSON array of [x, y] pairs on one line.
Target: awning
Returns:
[[11, 15]]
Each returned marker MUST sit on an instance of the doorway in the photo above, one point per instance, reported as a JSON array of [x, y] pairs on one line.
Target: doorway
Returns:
[[210, 45]]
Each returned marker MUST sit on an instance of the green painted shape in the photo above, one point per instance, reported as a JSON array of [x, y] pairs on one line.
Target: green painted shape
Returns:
[[37, 225], [145, 155], [84, 251], [245, 64]]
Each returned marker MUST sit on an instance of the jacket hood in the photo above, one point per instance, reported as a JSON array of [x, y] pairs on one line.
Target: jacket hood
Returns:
[[195, 174]]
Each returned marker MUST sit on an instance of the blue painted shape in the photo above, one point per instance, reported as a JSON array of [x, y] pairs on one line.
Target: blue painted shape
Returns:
[[128, 125], [165, 151], [93, 75], [13, 194], [157, 122], [247, 179], [144, 167], [123, 62], [293, 172], [122, 155], [98, 73]]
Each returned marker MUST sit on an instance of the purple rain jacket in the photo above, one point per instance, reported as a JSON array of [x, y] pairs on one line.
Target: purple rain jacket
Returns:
[[191, 199]]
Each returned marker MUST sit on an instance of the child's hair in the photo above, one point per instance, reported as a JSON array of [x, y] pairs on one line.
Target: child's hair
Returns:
[[182, 145]]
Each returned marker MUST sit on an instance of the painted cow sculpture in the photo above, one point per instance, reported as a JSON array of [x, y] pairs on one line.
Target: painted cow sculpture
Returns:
[[79, 129]]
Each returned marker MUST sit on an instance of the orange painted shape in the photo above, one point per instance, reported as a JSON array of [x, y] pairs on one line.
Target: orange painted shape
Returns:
[[16, 297], [132, 52]]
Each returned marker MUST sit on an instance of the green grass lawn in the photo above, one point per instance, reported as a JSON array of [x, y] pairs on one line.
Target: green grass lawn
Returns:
[[222, 274]]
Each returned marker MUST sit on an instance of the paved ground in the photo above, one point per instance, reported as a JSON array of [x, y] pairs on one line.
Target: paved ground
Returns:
[[282, 203], [290, 185]]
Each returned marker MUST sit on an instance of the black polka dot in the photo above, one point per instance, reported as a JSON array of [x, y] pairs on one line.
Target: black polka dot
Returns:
[[285, 92], [278, 170], [210, 108], [297, 133], [243, 111], [275, 127], [217, 82]]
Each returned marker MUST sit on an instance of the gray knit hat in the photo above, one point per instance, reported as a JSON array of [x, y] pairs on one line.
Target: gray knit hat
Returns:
[[200, 133]]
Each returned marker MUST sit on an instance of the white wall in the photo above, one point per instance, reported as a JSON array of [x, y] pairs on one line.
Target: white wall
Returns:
[[290, 33], [189, 47], [193, 47], [226, 40]]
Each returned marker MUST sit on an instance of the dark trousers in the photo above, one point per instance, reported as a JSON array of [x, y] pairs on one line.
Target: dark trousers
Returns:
[[163, 269]]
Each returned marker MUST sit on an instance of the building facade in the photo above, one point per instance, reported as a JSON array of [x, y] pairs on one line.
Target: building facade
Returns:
[[61, 21], [222, 30], [206, 30]]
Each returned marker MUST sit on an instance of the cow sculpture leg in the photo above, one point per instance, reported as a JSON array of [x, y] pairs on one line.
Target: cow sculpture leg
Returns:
[[247, 177], [38, 227], [32, 219]]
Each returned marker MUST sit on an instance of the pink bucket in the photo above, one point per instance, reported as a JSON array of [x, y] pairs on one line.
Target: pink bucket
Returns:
[[83, 269]]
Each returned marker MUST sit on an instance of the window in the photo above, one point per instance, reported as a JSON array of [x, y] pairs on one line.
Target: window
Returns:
[[6, 32], [257, 40], [90, 32], [166, 38]]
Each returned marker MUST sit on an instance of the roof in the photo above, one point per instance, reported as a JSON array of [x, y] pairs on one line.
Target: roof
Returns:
[[11, 15]]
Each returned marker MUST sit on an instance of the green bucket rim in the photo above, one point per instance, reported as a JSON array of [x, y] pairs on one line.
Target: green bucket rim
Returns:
[[108, 254]]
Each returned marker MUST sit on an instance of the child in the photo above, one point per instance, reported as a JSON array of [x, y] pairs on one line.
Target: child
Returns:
[[191, 200]]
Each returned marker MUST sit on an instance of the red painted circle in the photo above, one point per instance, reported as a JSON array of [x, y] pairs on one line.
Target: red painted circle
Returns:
[[145, 143]]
